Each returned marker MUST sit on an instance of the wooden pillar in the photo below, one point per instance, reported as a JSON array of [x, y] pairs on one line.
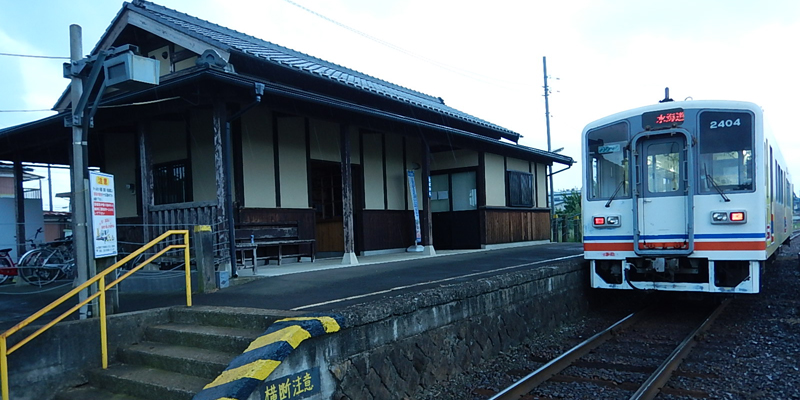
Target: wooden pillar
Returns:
[[425, 212], [19, 200], [145, 179], [347, 197], [481, 192], [219, 122], [203, 243]]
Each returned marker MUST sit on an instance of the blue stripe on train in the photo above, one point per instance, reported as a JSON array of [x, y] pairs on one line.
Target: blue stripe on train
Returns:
[[760, 235]]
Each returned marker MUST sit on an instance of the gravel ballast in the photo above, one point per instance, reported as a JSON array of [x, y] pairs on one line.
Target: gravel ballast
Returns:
[[751, 352]]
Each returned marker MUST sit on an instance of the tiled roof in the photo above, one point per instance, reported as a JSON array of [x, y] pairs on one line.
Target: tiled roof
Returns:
[[232, 40]]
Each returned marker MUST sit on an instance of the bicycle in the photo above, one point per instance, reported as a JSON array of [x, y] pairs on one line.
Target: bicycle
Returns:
[[8, 268], [48, 263]]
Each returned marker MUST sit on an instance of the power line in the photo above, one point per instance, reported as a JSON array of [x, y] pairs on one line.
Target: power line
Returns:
[[33, 56], [454, 69], [141, 103], [11, 111]]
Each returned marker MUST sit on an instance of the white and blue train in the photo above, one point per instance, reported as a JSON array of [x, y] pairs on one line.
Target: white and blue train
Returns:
[[689, 196]]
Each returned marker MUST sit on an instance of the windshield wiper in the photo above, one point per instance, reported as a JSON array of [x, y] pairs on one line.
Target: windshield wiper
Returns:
[[608, 204], [714, 184]]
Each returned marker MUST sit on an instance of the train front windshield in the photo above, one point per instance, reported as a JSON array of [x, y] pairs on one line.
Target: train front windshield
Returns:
[[608, 158], [726, 151], [724, 148]]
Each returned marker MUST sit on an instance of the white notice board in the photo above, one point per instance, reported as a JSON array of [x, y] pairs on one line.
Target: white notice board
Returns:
[[104, 216]]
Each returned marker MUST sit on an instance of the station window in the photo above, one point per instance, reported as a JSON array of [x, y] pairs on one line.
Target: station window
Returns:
[[608, 162], [454, 192], [172, 182], [520, 189]]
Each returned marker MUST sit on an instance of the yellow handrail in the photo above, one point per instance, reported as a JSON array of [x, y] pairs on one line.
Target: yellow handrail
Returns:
[[100, 278]]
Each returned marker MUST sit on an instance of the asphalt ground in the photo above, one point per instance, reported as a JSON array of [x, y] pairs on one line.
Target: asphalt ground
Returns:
[[314, 290]]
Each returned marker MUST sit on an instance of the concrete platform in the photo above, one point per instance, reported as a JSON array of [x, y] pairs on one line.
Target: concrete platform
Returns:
[[322, 285], [291, 266]]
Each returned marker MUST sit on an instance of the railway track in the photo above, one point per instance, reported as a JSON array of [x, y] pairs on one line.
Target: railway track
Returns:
[[650, 343]]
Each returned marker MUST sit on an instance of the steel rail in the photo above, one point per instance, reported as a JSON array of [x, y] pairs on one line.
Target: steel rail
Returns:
[[558, 364], [652, 386]]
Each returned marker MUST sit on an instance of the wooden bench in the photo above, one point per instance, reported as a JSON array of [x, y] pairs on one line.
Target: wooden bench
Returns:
[[252, 237]]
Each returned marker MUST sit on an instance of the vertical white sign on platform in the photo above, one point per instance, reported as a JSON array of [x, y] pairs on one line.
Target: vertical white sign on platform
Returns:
[[412, 186], [104, 216]]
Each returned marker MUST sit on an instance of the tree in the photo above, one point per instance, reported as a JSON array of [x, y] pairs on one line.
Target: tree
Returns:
[[572, 202]]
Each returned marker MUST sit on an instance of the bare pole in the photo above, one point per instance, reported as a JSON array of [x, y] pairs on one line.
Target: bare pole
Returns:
[[79, 147], [549, 148]]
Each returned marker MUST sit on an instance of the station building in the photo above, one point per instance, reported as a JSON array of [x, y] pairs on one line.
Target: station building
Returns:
[[241, 132]]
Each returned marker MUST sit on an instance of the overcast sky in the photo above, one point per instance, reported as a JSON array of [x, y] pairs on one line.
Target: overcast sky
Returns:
[[481, 57]]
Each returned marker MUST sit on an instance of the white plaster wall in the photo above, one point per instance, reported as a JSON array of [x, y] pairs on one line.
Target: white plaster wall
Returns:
[[163, 64], [168, 141], [204, 171], [293, 165], [373, 171], [495, 180], [513, 164], [395, 174], [120, 151], [258, 159], [454, 159], [324, 137], [541, 185]]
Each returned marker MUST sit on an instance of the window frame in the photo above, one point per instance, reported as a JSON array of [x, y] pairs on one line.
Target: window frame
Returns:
[[514, 196], [162, 182]]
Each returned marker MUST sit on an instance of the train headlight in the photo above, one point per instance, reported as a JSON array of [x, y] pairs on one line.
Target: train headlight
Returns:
[[606, 221], [729, 217]]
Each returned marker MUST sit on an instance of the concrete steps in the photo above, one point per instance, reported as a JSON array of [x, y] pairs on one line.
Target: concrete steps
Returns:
[[174, 361]]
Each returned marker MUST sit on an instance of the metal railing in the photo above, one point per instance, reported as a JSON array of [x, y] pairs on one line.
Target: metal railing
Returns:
[[100, 280], [567, 228]]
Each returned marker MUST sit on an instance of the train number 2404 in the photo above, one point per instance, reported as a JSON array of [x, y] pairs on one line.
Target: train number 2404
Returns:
[[725, 123]]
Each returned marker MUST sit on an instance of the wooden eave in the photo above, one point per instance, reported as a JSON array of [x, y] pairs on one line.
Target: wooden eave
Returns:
[[130, 17]]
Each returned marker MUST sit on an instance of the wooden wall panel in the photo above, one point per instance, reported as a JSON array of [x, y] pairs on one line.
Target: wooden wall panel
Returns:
[[456, 230], [386, 229], [330, 236], [510, 225]]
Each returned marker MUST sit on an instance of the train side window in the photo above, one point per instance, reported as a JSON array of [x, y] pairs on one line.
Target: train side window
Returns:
[[608, 154], [726, 151]]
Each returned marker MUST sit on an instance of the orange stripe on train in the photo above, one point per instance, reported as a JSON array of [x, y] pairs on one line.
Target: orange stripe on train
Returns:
[[625, 246], [728, 246]]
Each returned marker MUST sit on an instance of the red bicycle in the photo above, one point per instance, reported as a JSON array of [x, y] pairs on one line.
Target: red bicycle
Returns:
[[7, 266]]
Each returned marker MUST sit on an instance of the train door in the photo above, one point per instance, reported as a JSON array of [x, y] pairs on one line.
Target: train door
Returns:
[[662, 200]]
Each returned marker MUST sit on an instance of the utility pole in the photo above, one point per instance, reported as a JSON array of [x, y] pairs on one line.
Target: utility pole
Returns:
[[549, 148], [79, 153]]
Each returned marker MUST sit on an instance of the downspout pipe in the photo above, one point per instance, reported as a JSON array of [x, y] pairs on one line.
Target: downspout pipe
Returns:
[[227, 165], [561, 170]]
